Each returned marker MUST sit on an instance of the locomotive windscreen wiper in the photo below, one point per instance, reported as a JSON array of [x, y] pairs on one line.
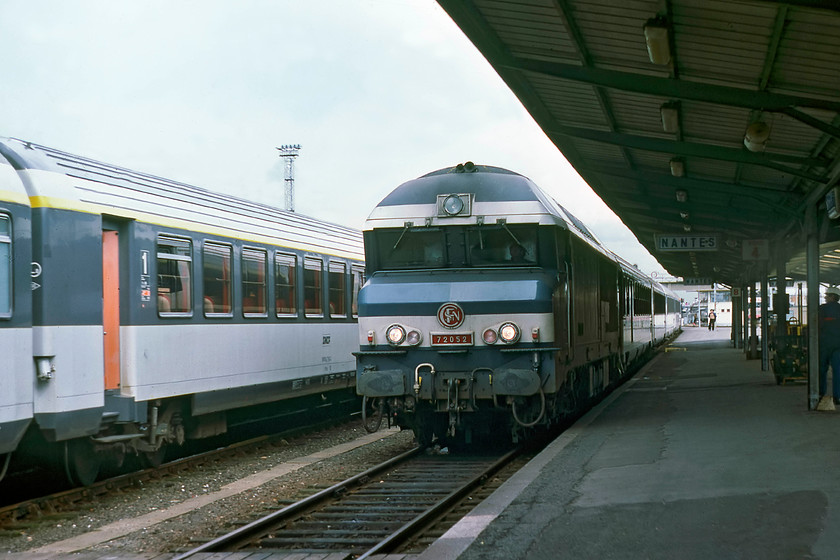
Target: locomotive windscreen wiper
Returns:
[[503, 223], [406, 225]]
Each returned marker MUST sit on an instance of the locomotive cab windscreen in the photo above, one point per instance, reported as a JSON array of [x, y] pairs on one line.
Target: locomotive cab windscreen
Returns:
[[496, 245]]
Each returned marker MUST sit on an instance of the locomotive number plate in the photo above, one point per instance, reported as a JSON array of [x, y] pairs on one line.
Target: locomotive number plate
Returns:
[[452, 339]]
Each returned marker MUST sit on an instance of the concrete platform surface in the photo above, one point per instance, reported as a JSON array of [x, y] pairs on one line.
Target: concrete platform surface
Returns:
[[700, 456]]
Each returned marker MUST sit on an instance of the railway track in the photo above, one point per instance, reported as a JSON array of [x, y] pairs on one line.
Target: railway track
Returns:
[[374, 512], [67, 503]]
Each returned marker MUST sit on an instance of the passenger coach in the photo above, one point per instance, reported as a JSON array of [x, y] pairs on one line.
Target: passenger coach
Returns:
[[490, 310], [137, 312]]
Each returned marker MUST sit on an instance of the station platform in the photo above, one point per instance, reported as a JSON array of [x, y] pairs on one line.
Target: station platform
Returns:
[[700, 455]]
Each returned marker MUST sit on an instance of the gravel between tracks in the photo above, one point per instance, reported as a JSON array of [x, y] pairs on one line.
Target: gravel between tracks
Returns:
[[204, 523]]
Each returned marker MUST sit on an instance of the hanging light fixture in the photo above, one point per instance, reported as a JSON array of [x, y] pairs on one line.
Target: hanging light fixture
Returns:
[[670, 113], [677, 167], [755, 138], [682, 196], [656, 38]]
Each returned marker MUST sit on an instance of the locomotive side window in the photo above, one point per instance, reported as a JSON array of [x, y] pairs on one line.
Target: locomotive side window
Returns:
[[313, 270], [356, 278], [218, 288], [285, 275], [174, 275], [5, 266], [254, 281], [411, 248], [502, 245], [337, 289]]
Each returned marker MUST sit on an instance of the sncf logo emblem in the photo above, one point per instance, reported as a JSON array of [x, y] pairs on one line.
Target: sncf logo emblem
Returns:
[[450, 315]]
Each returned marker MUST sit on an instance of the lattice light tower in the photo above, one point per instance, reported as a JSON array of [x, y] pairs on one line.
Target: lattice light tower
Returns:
[[289, 152]]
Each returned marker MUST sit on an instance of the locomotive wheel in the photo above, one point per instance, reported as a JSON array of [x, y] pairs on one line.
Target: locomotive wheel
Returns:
[[81, 462], [372, 411]]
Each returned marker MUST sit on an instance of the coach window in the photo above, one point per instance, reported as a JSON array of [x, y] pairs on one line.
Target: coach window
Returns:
[[174, 274], [253, 281], [285, 275], [218, 289], [5, 266], [338, 289], [313, 270], [356, 278]]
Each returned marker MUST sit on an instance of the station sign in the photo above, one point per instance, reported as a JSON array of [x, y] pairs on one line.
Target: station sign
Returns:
[[686, 242], [697, 281]]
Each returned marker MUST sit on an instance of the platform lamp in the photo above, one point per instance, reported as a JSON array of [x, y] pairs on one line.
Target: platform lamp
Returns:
[[670, 113], [656, 38], [677, 167], [682, 196], [756, 135]]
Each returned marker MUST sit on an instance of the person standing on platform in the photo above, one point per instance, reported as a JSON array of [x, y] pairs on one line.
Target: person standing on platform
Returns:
[[829, 343], [712, 319]]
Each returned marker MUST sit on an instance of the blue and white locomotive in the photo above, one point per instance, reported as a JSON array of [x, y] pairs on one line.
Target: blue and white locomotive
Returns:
[[490, 310], [137, 312]]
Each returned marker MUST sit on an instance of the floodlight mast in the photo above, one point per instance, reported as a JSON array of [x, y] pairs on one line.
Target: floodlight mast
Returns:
[[289, 152]]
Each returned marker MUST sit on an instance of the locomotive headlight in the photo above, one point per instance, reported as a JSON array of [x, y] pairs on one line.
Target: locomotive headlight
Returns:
[[453, 205], [413, 338], [395, 335], [490, 336], [509, 333]]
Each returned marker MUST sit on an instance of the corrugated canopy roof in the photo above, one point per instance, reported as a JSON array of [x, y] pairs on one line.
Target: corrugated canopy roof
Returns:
[[663, 144]]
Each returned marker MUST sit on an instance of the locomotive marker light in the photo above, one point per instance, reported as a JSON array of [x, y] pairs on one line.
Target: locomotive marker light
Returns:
[[413, 338], [490, 336]]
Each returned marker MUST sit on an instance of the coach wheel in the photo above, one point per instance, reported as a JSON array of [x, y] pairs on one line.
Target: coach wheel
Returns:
[[153, 459], [372, 411], [81, 462]]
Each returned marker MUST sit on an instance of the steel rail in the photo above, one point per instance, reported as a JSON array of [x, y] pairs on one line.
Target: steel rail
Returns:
[[245, 532], [408, 530]]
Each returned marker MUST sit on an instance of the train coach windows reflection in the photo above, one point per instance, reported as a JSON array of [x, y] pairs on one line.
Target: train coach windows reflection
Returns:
[[218, 288], [356, 279], [338, 289], [5, 266], [313, 270], [174, 275], [253, 281], [285, 275]]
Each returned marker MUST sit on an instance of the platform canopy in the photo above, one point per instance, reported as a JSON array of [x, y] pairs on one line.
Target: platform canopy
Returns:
[[696, 121]]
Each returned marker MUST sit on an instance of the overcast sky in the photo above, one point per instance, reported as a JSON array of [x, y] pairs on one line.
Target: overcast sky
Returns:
[[377, 92]]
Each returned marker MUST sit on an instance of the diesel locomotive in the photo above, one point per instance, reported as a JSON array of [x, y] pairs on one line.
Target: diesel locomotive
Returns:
[[490, 311]]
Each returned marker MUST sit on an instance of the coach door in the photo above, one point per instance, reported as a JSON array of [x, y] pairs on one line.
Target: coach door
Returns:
[[111, 307]]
